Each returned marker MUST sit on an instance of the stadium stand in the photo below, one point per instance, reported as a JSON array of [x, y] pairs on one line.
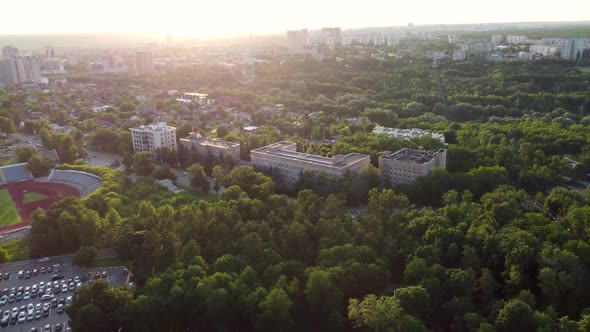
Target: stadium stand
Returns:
[[86, 183], [14, 173]]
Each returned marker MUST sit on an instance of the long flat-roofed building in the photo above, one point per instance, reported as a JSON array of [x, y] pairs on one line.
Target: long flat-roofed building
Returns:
[[405, 165], [193, 96], [153, 137], [216, 146], [406, 134], [284, 159]]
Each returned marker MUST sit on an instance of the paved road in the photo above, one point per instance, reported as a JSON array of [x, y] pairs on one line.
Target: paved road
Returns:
[[66, 260], [183, 179], [96, 158]]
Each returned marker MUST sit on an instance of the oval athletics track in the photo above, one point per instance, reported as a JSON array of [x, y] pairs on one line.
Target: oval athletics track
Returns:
[[17, 190]]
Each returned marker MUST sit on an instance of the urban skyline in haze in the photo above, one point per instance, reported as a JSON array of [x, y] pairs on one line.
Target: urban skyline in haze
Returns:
[[235, 18]]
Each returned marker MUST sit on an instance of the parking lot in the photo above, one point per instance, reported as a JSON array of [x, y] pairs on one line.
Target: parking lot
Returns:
[[23, 292]]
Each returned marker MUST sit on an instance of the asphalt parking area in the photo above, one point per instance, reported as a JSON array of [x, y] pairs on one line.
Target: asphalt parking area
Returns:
[[63, 281]]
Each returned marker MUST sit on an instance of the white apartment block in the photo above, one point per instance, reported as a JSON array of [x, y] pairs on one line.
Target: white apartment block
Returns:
[[454, 39], [406, 134], [405, 165], [284, 159], [497, 39], [458, 56], [193, 96], [545, 50], [515, 40], [153, 137]]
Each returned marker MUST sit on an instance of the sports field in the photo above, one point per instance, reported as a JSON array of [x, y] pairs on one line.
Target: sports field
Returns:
[[8, 212], [33, 197]]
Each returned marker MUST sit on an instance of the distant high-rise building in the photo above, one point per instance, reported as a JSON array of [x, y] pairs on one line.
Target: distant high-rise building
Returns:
[[454, 39], [32, 69], [144, 62], [297, 38], [9, 52], [378, 40], [17, 70], [113, 64], [573, 49], [9, 72], [49, 52], [331, 36], [392, 40], [515, 40], [497, 39]]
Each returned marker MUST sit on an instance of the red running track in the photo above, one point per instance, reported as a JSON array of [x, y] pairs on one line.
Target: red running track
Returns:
[[17, 190]]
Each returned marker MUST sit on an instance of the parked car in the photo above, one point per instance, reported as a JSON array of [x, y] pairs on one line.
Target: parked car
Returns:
[[60, 309], [44, 259], [3, 300]]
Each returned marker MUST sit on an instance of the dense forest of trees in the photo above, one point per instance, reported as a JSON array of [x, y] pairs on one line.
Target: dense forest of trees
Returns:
[[255, 260]]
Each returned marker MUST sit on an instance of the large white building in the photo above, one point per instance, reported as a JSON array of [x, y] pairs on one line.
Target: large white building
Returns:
[[515, 40], [405, 165], [153, 137], [217, 147], [573, 49], [288, 164], [406, 134]]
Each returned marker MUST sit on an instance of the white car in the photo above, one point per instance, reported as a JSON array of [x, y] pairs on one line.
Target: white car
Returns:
[[30, 315], [44, 259], [3, 300], [14, 311], [6, 314], [27, 296], [22, 317], [30, 307]]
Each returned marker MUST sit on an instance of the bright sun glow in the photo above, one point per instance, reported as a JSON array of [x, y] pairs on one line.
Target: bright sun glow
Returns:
[[230, 17]]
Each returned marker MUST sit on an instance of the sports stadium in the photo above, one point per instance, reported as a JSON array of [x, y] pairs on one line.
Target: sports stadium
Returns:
[[21, 194]]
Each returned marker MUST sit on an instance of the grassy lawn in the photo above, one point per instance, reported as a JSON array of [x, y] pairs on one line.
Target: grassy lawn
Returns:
[[33, 197], [17, 250], [8, 212], [116, 261]]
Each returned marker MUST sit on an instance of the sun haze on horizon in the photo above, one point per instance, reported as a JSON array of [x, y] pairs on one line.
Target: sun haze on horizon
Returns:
[[231, 18]]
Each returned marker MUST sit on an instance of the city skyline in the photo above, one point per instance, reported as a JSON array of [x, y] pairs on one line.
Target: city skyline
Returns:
[[233, 18]]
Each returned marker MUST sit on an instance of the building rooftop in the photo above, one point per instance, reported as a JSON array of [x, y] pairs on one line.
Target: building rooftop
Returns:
[[406, 133], [410, 156], [210, 142], [160, 126], [288, 150], [196, 94]]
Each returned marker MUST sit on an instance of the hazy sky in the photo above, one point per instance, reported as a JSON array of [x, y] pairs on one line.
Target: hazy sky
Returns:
[[241, 17]]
